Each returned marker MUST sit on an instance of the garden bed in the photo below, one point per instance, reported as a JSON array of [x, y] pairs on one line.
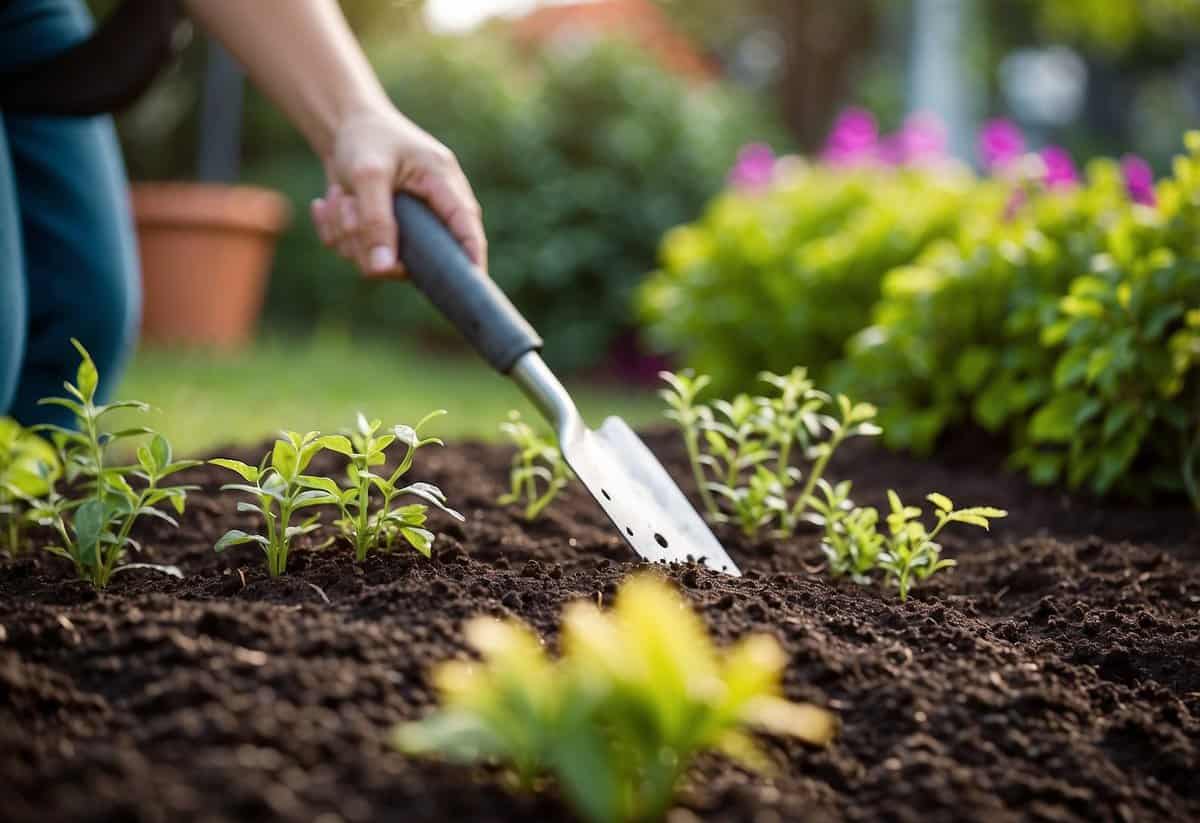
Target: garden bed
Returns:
[[1054, 675]]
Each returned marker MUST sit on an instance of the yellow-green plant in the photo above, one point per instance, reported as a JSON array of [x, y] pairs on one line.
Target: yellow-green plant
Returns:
[[94, 522], [28, 469], [368, 525], [538, 470], [637, 693]]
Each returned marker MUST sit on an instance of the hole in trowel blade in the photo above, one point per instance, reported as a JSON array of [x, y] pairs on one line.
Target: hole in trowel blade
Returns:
[[629, 531], [607, 496], [660, 540]]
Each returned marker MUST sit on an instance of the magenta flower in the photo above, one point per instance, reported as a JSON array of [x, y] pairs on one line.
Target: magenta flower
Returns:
[[1000, 144], [1139, 180], [853, 140], [1060, 168], [754, 168], [923, 139]]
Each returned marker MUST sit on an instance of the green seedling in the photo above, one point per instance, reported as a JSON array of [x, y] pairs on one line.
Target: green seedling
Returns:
[[692, 419], [280, 489], [367, 525], [95, 527], [28, 468], [854, 420], [743, 436], [910, 552], [538, 470], [852, 542], [636, 695]]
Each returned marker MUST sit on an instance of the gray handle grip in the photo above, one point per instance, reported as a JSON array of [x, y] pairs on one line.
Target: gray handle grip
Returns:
[[470, 299]]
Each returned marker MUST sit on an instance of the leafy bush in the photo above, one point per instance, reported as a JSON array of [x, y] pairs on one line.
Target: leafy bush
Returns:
[[1072, 328], [618, 718], [580, 162], [28, 469], [94, 521], [768, 279]]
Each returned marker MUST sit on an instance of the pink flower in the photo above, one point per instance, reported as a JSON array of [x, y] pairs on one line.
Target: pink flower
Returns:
[[1060, 168], [922, 139], [853, 140], [1000, 144], [754, 168], [1139, 180]]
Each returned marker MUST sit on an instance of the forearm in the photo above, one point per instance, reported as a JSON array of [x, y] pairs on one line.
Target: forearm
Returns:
[[302, 54]]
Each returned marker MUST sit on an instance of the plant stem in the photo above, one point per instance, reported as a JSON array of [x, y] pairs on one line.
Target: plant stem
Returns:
[[814, 474], [692, 442]]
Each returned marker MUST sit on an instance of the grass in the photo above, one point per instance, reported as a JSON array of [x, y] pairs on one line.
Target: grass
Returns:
[[206, 400]]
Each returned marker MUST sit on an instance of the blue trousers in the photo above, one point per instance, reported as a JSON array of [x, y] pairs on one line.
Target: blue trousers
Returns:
[[68, 256]]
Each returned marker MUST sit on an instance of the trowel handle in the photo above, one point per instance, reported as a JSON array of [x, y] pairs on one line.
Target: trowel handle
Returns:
[[470, 299]]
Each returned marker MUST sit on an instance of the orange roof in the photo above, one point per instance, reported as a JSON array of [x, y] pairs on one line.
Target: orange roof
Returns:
[[638, 20]]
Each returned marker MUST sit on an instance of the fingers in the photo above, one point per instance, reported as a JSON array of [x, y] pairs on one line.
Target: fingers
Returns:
[[340, 224], [375, 222], [448, 193]]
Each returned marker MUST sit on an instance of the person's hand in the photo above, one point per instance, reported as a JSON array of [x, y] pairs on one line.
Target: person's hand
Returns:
[[374, 155]]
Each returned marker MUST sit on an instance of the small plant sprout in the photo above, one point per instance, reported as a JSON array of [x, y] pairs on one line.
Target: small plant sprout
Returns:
[[367, 525], [95, 528], [910, 552], [741, 438], [538, 470], [28, 468], [280, 489], [692, 418], [617, 719], [852, 542], [855, 419]]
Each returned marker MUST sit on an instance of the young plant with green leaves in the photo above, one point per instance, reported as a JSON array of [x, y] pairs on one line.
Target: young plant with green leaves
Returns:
[[28, 468], [538, 470], [852, 542], [367, 524], [280, 489], [617, 719], [910, 552], [750, 445], [95, 528]]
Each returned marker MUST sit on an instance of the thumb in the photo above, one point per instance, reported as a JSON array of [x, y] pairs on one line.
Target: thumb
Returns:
[[377, 223]]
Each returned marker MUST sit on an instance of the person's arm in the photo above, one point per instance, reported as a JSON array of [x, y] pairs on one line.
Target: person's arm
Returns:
[[302, 54]]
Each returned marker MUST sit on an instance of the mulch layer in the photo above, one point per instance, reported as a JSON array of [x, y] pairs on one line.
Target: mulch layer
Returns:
[[1053, 675]]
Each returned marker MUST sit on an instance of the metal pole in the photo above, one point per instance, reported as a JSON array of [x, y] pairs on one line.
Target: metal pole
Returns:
[[941, 80]]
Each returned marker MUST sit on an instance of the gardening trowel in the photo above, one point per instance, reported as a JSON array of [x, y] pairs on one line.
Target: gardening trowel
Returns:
[[631, 486]]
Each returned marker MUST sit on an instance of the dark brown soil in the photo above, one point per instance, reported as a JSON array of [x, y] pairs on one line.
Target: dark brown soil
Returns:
[[1054, 675]]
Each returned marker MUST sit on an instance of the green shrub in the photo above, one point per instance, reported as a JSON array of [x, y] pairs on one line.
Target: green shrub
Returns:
[[28, 468], [580, 163], [1073, 328], [766, 280]]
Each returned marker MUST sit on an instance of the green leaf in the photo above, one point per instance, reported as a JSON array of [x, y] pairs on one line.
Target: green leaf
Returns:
[[941, 501], [324, 484], [249, 473], [236, 537], [88, 523], [419, 539], [1071, 368], [160, 450], [86, 378], [285, 459], [1055, 421]]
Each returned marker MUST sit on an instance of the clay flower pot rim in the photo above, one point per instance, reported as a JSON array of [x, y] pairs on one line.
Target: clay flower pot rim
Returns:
[[213, 205]]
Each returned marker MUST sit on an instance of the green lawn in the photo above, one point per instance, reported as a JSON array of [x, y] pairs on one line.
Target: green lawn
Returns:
[[203, 400]]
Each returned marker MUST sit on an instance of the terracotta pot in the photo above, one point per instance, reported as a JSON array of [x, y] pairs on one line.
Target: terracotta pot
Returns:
[[206, 252]]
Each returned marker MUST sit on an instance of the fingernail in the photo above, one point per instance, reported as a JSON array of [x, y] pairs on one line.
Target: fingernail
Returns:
[[382, 259]]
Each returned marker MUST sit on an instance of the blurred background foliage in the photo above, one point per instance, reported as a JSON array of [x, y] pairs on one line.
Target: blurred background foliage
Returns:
[[581, 162]]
